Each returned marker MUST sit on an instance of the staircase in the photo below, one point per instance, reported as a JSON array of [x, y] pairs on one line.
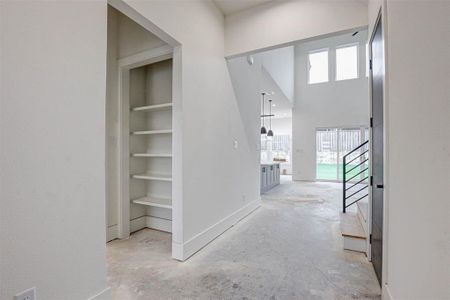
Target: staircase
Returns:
[[355, 190]]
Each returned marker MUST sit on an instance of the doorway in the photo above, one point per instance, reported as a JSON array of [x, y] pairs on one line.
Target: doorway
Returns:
[[143, 165], [376, 45]]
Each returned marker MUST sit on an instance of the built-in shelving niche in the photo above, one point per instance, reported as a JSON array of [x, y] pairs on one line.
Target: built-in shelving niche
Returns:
[[151, 144]]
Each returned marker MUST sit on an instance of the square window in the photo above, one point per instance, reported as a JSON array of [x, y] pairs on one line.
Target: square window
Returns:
[[347, 62], [318, 66]]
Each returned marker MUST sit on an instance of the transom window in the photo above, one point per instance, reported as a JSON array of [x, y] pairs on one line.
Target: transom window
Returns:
[[347, 62], [318, 66]]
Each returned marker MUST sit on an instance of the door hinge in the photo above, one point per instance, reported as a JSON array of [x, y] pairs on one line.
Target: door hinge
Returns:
[[370, 239], [371, 122], [370, 64], [371, 180]]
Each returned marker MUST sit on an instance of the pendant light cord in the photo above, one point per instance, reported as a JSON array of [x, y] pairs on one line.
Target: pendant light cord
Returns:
[[263, 108], [270, 114]]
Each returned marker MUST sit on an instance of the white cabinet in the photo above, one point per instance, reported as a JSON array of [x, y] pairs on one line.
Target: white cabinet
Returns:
[[270, 176]]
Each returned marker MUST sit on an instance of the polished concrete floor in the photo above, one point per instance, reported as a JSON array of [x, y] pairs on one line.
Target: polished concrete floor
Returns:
[[290, 248]]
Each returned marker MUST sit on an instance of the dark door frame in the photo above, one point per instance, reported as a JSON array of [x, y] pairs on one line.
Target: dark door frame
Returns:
[[383, 254]]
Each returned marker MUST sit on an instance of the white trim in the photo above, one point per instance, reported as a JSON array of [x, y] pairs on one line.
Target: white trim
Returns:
[[158, 223], [177, 148], [386, 292], [103, 295], [151, 223], [143, 21], [112, 233], [354, 244], [138, 223], [194, 244], [124, 153], [125, 65], [146, 57]]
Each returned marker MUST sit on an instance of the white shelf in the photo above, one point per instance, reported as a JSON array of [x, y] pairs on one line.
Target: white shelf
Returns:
[[150, 108], [147, 132], [151, 155], [155, 202], [153, 176]]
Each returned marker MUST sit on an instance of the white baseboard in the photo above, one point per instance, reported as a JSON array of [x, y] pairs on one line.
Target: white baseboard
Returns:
[[187, 249], [138, 224], [112, 233], [386, 293], [159, 223], [103, 295], [355, 244]]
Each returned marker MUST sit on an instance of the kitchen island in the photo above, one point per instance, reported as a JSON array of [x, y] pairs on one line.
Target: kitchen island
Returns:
[[270, 176]]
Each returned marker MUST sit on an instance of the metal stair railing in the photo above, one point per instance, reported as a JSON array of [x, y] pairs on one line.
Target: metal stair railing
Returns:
[[355, 189]]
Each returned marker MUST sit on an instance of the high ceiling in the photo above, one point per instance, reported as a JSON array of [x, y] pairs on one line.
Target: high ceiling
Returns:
[[231, 6]]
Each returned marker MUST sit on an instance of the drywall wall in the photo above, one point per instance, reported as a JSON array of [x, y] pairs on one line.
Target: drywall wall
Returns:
[[330, 104], [281, 22], [282, 125], [52, 129], [125, 38], [417, 127], [279, 63], [246, 80], [220, 175], [249, 80], [281, 105]]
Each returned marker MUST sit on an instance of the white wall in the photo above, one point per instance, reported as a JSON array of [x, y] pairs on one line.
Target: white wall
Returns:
[[53, 148], [279, 63], [248, 83], [215, 175], [282, 125], [329, 104], [280, 22], [417, 147]]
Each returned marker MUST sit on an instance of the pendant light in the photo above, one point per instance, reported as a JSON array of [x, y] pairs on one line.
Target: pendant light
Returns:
[[263, 129], [270, 133]]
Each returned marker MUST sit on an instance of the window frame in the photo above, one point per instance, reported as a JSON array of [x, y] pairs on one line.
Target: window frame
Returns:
[[348, 45], [308, 67]]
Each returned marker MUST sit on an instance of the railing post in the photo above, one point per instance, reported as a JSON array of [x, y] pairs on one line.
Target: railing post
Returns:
[[343, 184]]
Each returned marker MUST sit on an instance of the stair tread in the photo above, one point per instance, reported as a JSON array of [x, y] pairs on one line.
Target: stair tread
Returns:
[[363, 206], [351, 226]]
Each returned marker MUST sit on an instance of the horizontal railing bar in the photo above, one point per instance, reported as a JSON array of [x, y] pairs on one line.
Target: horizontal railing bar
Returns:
[[357, 200], [357, 174], [357, 183], [356, 166], [358, 156], [356, 192], [362, 145]]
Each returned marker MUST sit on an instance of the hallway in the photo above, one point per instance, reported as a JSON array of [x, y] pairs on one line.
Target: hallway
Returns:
[[290, 248]]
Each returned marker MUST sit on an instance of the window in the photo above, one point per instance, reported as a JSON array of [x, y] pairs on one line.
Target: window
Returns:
[[331, 146], [318, 66], [278, 147], [347, 62]]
